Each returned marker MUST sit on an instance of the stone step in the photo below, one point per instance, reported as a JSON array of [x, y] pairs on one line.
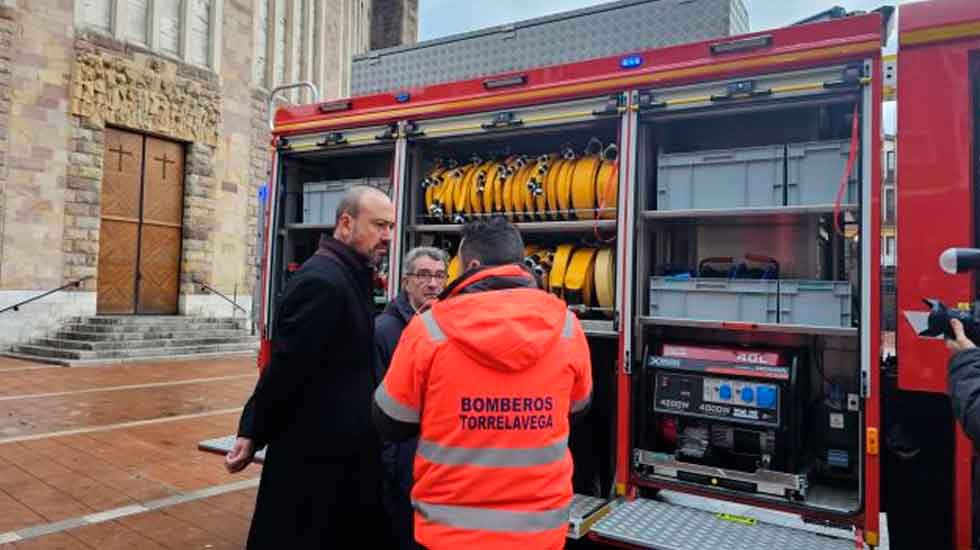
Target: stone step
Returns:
[[161, 327], [160, 343], [126, 354], [141, 359], [147, 335], [150, 319]]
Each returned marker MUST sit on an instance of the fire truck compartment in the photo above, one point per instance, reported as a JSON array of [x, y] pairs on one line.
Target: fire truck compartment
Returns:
[[748, 247], [310, 186]]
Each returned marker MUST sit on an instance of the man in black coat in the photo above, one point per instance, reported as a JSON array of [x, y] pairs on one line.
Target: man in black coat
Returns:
[[425, 277], [964, 382], [964, 393], [312, 405]]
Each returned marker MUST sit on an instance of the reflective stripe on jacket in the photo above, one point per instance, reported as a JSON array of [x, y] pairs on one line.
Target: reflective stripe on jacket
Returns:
[[492, 376]]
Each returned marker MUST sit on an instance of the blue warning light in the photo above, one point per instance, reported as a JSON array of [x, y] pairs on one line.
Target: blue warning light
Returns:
[[403, 97], [631, 61]]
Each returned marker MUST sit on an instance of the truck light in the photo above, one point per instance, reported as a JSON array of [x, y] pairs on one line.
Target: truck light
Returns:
[[403, 97], [631, 61]]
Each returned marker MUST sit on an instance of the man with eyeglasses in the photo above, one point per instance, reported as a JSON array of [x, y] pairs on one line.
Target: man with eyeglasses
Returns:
[[425, 277]]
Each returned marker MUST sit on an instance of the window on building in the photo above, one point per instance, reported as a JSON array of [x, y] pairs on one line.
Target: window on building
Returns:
[[292, 45], [889, 206], [187, 30], [261, 40], [95, 14], [138, 21], [888, 250]]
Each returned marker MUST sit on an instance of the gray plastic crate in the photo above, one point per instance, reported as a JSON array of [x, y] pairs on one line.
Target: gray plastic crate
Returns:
[[724, 178], [814, 171], [817, 303], [749, 300], [321, 198]]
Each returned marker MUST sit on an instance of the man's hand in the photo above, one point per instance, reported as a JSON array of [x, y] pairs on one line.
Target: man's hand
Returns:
[[240, 455], [960, 342]]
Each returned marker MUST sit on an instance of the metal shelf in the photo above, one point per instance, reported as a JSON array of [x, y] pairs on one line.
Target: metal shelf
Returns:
[[743, 216], [751, 327], [529, 227], [602, 328]]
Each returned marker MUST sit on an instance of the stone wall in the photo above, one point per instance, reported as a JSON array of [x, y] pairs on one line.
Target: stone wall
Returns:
[[83, 200], [393, 23], [259, 173], [116, 84], [39, 134], [199, 218], [7, 30], [59, 90], [234, 186], [40, 316]]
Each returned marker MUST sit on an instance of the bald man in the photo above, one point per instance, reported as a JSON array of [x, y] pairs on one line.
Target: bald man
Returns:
[[312, 405]]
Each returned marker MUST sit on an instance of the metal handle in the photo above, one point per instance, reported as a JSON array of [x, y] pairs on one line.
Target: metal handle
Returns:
[[272, 97], [815, 287], [710, 285], [720, 156]]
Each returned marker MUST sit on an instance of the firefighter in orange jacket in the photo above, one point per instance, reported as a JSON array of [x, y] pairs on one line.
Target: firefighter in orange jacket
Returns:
[[489, 377]]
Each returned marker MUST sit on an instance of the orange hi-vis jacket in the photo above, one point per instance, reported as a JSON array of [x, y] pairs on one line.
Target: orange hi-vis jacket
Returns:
[[491, 373]]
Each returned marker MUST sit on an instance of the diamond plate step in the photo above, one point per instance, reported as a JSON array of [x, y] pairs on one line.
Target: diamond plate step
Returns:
[[663, 526], [584, 512]]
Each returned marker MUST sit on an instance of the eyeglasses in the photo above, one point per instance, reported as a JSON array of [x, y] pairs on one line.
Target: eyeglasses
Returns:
[[428, 275]]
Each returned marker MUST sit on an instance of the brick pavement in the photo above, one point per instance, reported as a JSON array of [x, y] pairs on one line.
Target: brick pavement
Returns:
[[53, 480], [127, 473], [49, 378]]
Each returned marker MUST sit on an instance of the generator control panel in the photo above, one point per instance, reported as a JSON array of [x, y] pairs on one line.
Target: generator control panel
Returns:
[[738, 386], [732, 399]]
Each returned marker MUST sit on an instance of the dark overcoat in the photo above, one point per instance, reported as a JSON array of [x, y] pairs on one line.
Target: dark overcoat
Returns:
[[312, 410]]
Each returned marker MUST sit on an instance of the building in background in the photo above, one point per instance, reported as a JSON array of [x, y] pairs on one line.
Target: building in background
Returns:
[[888, 202], [134, 139], [889, 244]]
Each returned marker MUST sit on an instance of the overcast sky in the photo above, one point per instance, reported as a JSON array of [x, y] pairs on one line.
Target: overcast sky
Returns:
[[438, 18]]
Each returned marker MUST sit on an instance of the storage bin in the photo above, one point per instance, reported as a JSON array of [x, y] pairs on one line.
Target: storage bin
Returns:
[[723, 178], [321, 198], [817, 303], [814, 171], [749, 300]]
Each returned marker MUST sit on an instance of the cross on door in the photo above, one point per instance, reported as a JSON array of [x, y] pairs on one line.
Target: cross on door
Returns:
[[119, 151], [165, 160]]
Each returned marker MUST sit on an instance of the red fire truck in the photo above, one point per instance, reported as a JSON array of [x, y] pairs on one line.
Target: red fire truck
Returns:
[[938, 113], [712, 212]]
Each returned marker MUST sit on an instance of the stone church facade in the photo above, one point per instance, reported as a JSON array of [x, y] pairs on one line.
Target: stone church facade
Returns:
[[134, 139]]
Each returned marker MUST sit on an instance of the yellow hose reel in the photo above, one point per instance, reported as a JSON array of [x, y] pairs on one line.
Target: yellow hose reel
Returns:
[[549, 187]]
